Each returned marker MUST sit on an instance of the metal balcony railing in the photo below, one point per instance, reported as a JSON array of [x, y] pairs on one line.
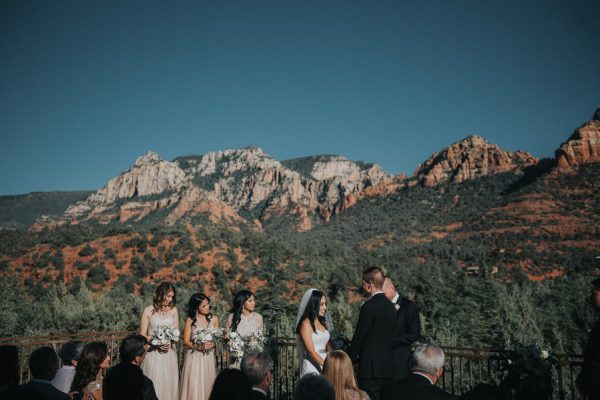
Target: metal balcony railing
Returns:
[[464, 369]]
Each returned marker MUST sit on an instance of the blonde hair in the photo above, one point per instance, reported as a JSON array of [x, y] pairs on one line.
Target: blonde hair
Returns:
[[338, 369]]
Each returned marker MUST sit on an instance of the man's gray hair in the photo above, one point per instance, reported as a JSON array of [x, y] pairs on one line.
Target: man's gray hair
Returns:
[[429, 358], [255, 365]]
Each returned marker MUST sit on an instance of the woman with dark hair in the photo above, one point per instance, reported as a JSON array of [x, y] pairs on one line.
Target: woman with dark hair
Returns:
[[243, 320], [200, 367], [160, 364], [87, 383], [312, 336]]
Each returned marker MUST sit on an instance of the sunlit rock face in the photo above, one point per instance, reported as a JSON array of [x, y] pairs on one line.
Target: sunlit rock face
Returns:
[[583, 146], [223, 183], [470, 158]]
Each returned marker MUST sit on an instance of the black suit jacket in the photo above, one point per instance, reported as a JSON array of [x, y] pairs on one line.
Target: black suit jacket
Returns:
[[35, 390], [415, 387], [407, 331], [590, 373], [372, 341], [126, 381], [256, 395]]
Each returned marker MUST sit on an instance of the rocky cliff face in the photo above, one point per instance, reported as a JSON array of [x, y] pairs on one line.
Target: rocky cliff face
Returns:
[[147, 177], [582, 147], [470, 158], [227, 184]]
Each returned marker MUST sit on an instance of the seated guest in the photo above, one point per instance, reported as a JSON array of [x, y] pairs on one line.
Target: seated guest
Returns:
[[126, 380], [87, 382], [257, 368], [43, 364], [9, 367], [338, 369], [314, 386], [429, 365], [231, 384], [69, 355]]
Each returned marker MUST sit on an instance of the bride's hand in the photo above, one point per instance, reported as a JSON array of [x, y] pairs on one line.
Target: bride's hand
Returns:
[[164, 348]]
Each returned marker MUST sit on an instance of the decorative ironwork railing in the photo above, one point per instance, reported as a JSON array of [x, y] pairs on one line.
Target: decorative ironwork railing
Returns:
[[464, 369]]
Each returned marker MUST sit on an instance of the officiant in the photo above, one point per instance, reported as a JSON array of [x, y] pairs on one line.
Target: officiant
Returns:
[[407, 331]]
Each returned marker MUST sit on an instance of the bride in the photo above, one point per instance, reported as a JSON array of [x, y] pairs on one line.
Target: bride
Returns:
[[312, 337]]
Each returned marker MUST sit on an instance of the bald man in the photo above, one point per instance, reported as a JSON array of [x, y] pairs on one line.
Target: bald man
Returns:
[[407, 331]]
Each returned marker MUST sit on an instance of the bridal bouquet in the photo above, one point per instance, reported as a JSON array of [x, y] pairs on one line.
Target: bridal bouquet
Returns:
[[165, 335], [206, 335]]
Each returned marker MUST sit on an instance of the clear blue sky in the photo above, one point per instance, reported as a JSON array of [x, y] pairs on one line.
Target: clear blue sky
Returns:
[[88, 86]]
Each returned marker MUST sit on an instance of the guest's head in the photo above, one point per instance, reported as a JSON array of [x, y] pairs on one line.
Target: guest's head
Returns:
[[9, 365], [69, 354], [231, 384], [243, 300], [389, 289], [133, 349], [338, 369], [373, 279], [314, 386], [316, 307], [164, 296], [429, 359], [257, 368], [43, 363], [94, 357], [198, 304]]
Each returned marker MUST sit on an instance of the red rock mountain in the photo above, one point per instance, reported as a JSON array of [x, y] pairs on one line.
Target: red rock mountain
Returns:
[[583, 146], [470, 158], [247, 186]]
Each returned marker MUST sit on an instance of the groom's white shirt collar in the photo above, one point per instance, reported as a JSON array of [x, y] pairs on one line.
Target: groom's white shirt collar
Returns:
[[380, 291], [259, 390], [395, 299]]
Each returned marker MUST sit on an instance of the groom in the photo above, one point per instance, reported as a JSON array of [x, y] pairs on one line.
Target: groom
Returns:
[[372, 341]]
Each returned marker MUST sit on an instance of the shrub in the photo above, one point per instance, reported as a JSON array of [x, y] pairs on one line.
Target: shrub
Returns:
[[86, 251]]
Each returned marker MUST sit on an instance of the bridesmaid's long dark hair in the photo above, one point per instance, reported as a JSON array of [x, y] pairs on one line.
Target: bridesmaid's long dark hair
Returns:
[[161, 293], [192, 307], [238, 306], [88, 366], [311, 311]]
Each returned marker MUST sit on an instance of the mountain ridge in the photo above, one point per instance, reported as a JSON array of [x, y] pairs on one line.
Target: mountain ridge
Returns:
[[258, 188]]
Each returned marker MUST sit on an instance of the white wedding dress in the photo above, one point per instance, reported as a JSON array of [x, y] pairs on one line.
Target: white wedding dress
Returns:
[[319, 339]]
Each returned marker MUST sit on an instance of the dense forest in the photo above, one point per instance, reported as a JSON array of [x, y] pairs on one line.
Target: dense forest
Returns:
[[496, 261]]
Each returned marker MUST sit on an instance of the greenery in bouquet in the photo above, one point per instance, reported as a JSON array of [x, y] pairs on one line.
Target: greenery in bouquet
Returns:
[[236, 347], [165, 335], [207, 335], [239, 345], [254, 341]]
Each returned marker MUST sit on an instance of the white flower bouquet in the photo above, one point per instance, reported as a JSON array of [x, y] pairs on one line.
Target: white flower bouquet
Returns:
[[206, 335], [165, 335], [236, 346], [254, 341]]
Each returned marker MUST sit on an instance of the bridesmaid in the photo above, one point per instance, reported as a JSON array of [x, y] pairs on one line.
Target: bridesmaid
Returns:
[[199, 369], [243, 319], [160, 364]]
